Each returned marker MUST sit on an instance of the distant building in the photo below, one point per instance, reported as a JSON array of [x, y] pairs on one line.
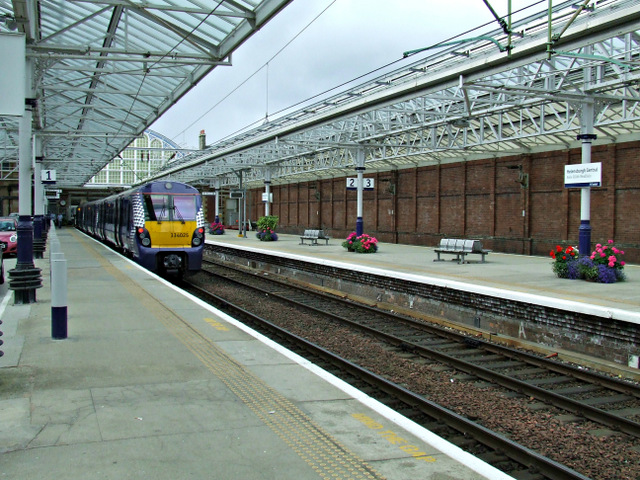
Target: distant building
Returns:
[[149, 152]]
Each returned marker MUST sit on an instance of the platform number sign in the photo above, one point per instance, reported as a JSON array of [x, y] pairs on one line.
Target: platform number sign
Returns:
[[367, 183], [48, 176]]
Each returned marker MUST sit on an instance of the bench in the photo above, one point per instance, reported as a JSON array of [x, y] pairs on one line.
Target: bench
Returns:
[[460, 248], [313, 236]]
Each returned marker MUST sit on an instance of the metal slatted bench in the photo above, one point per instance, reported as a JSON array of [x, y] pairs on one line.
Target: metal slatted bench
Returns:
[[460, 248], [313, 236]]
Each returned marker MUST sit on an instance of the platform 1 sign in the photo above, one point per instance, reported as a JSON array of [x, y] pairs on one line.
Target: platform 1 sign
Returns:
[[367, 183], [48, 177], [583, 175]]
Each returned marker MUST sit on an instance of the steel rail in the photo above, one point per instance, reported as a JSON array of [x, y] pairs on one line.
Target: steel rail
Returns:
[[587, 411], [494, 440]]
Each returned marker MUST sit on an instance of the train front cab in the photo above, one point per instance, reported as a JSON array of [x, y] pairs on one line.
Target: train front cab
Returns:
[[169, 236]]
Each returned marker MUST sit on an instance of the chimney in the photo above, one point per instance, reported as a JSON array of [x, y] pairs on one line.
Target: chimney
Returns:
[[203, 140]]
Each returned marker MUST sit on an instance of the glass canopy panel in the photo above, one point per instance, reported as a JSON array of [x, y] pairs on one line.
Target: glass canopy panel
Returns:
[[106, 70]]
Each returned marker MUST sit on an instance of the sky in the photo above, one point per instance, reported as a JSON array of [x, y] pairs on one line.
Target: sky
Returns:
[[313, 46]]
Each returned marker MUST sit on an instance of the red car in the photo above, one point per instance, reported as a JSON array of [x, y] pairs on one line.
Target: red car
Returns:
[[9, 235]]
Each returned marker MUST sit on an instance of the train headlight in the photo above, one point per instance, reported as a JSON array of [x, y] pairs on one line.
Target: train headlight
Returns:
[[145, 238], [198, 237], [13, 238]]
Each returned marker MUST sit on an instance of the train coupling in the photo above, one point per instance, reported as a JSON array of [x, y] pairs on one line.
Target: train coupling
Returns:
[[172, 261]]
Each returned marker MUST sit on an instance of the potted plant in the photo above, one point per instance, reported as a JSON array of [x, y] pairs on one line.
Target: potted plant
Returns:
[[604, 265], [362, 244], [266, 227], [565, 262], [216, 228]]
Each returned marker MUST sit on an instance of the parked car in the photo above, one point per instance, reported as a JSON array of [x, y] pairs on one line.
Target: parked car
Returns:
[[9, 235]]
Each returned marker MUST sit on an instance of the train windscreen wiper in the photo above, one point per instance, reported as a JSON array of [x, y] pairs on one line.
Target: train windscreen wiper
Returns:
[[176, 211], [162, 212]]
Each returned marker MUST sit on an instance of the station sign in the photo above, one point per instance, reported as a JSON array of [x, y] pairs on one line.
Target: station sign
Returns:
[[583, 175], [12, 84], [50, 194], [367, 183], [236, 193], [48, 177], [264, 197]]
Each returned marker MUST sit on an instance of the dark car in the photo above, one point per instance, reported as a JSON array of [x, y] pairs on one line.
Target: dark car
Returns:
[[9, 235]]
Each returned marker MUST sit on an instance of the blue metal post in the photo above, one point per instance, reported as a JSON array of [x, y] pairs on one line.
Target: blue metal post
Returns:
[[25, 278], [584, 234], [39, 232], [216, 189], [267, 191], [360, 189], [58, 296]]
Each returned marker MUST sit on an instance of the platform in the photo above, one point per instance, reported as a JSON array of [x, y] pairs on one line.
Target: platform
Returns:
[[603, 318], [152, 383], [510, 274]]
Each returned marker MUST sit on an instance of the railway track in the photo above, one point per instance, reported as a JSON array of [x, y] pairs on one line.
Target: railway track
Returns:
[[601, 399]]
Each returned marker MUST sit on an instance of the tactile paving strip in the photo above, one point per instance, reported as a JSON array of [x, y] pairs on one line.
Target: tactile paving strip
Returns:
[[326, 456]]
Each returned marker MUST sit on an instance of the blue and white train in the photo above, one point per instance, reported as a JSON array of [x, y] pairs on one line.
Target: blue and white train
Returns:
[[159, 224]]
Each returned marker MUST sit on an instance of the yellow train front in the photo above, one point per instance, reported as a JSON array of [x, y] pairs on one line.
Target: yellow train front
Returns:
[[159, 224]]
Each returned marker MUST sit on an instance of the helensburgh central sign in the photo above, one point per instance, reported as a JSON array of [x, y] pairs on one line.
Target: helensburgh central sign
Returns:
[[583, 175]]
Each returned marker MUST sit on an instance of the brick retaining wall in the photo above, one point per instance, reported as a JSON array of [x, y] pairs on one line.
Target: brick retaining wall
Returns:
[[608, 339], [515, 204]]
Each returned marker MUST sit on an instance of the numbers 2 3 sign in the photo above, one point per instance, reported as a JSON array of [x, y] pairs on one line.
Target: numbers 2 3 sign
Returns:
[[367, 183]]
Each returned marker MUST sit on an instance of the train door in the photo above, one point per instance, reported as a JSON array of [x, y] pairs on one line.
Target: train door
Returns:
[[116, 222], [124, 226]]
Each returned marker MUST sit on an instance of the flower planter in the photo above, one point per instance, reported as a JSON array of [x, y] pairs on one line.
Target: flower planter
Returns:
[[361, 244], [603, 266]]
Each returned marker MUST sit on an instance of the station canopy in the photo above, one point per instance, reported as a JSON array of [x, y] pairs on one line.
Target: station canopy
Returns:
[[532, 81], [104, 70]]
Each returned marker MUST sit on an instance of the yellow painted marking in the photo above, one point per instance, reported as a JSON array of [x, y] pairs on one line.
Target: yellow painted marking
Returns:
[[216, 324], [393, 438], [324, 454]]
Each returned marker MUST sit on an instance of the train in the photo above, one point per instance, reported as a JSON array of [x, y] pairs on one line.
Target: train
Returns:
[[160, 225]]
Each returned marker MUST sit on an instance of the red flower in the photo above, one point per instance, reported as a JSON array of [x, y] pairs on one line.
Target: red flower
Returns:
[[558, 248]]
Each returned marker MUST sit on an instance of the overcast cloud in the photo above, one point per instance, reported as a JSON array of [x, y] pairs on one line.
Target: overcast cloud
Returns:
[[350, 39]]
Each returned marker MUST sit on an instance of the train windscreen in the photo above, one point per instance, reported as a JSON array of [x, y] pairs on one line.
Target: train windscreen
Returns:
[[162, 208], [184, 207]]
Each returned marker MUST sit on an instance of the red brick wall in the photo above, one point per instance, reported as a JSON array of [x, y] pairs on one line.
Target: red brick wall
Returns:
[[478, 199]]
